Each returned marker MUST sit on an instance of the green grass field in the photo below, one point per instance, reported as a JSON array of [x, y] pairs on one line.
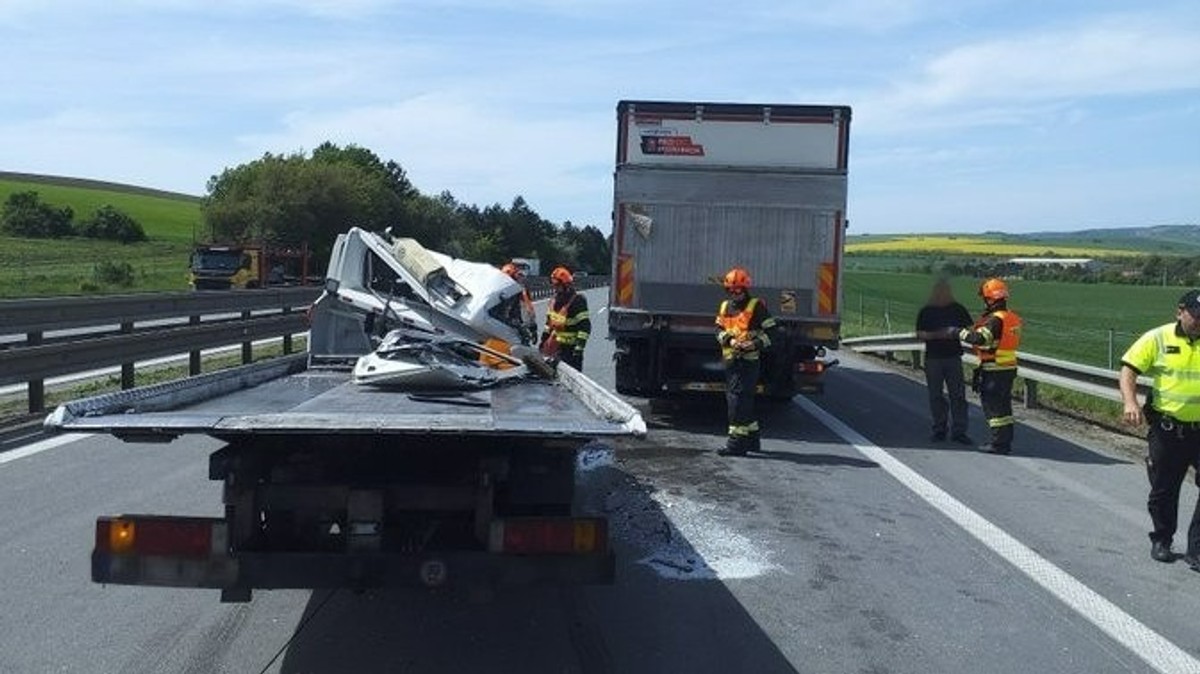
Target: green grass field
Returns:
[[1062, 320], [37, 267]]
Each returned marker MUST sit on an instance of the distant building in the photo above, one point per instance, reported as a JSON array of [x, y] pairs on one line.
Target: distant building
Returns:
[[1064, 262]]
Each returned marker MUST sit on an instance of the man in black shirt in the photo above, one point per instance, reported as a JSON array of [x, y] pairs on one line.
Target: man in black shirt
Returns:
[[938, 324]]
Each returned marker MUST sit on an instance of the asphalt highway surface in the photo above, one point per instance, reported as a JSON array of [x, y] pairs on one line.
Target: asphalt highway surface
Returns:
[[852, 544]]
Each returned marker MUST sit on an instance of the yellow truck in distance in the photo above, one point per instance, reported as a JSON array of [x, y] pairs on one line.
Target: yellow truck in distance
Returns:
[[239, 267]]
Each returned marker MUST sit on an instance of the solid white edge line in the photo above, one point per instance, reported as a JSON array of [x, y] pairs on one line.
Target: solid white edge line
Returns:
[[41, 446], [1161, 654]]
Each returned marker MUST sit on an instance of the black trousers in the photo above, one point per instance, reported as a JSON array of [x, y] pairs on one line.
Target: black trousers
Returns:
[[1170, 452], [944, 379], [741, 380], [995, 396], [572, 356]]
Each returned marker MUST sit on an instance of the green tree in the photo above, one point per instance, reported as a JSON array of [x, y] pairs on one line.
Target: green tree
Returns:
[[25, 214], [112, 224], [293, 199]]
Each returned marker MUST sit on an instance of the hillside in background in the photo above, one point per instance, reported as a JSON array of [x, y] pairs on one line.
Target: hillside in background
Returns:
[[1162, 239], [1125, 241], [31, 267], [166, 216]]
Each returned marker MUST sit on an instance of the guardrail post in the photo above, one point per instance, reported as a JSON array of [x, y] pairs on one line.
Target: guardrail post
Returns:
[[193, 356], [915, 355], [37, 387], [127, 381], [287, 339], [1031, 391], [247, 347]]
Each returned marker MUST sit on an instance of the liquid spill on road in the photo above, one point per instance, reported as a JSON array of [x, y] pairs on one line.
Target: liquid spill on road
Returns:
[[680, 538], [594, 455]]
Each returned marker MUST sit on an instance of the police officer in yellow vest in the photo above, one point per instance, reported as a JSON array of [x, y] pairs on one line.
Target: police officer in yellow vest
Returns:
[[996, 336], [568, 324], [743, 327], [1170, 355]]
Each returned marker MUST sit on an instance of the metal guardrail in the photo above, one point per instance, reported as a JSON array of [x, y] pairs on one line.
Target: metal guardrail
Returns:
[[242, 316], [1033, 368]]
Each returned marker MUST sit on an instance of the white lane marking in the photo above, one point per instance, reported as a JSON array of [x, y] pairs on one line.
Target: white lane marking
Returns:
[[1142, 641], [602, 310], [39, 447]]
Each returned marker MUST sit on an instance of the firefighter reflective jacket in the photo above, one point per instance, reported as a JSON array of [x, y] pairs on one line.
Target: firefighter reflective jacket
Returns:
[[749, 323], [568, 321], [996, 338], [1167, 355]]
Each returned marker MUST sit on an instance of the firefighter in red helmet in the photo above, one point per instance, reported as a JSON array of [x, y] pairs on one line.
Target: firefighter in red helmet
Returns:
[[567, 322], [996, 336], [743, 331]]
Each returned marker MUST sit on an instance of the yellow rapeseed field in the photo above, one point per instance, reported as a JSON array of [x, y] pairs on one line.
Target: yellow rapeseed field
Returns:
[[974, 245]]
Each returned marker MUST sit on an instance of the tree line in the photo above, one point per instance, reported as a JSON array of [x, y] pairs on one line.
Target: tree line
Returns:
[[1177, 270], [308, 198]]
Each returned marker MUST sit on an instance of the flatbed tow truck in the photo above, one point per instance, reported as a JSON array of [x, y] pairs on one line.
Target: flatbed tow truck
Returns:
[[329, 482]]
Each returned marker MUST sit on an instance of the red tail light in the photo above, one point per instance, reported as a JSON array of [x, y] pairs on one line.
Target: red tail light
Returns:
[[550, 536], [160, 536], [811, 367]]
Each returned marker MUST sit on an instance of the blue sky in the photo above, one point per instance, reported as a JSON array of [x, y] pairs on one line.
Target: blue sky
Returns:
[[968, 115]]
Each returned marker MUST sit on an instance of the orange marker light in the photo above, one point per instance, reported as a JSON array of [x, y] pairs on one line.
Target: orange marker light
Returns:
[[121, 536]]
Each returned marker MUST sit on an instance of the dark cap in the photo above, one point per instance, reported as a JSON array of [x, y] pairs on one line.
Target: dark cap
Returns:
[[1191, 302]]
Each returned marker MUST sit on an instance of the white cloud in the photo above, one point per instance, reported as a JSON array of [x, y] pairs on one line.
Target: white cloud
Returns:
[[1020, 79]]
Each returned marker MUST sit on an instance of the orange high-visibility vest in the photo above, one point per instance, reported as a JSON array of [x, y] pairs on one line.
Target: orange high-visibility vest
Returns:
[[1002, 354], [736, 327]]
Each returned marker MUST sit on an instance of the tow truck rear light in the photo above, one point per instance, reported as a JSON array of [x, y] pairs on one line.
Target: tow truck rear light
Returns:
[[811, 367], [550, 536], [196, 537]]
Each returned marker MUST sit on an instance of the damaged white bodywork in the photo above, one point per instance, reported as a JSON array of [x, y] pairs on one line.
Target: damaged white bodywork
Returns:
[[375, 285]]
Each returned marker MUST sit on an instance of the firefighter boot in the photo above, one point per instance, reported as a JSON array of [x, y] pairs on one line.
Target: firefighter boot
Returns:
[[734, 446]]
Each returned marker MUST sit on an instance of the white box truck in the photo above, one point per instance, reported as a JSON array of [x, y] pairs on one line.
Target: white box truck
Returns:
[[703, 187]]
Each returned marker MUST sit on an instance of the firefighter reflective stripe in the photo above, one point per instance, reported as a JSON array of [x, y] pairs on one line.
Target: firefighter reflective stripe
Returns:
[[743, 430], [560, 320], [764, 337], [997, 422], [999, 352], [736, 327]]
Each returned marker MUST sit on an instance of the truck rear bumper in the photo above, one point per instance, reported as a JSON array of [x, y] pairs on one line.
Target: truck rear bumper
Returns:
[[303, 570]]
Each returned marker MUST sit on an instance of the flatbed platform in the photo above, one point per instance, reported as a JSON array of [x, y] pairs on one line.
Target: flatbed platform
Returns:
[[287, 396]]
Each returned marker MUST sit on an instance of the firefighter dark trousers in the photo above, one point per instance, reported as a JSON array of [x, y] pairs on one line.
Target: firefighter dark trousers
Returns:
[[1172, 448], [572, 357], [741, 380], [995, 396]]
